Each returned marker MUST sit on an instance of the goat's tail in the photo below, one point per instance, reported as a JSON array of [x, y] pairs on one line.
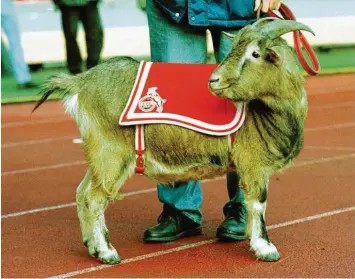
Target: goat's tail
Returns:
[[63, 84]]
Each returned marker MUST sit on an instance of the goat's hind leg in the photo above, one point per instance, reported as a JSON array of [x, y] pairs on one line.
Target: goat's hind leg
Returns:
[[255, 199], [84, 185], [91, 204]]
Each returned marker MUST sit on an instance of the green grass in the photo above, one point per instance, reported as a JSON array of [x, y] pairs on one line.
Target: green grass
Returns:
[[333, 60], [10, 93]]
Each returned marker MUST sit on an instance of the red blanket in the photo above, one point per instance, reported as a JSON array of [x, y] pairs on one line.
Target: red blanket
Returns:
[[178, 94]]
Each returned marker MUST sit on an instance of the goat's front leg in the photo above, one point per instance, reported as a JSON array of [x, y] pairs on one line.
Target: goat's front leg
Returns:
[[91, 204], [255, 199]]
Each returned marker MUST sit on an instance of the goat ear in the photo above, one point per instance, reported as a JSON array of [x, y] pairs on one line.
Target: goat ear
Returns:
[[228, 35], [272, 55]]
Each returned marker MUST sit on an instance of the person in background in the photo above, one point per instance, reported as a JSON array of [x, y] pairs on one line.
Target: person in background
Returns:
[[10, 27], [177, 30], [87, 12]]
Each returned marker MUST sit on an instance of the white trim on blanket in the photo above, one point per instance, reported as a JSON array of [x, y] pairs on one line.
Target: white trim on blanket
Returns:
[[201, 130], [139, 137], [141, 66], [173, 119]]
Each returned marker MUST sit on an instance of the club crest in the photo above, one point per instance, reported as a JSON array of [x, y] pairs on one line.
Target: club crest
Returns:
[[151, 101]]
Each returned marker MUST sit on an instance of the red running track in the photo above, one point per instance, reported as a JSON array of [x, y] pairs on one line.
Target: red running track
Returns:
[[310, 214]]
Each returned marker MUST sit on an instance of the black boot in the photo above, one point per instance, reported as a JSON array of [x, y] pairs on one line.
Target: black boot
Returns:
[[233, 227], [172, 226]]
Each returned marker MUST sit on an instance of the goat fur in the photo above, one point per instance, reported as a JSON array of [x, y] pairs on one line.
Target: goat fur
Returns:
[[259, 71]]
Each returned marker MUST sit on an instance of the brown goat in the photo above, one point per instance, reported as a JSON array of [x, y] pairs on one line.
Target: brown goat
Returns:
[[260, 71]]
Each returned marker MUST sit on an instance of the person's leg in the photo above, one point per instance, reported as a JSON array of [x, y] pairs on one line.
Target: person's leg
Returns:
[[70, 20], [5, 59], [185, 197], [171, 42], [10, 27], [90, 17], [233, 227], [180, 44], [181, 214]]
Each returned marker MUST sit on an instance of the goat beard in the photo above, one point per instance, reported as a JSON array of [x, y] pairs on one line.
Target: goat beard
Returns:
[[235, 95]]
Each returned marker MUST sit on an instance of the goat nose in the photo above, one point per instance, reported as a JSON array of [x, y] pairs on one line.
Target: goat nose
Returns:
[[214, 78]]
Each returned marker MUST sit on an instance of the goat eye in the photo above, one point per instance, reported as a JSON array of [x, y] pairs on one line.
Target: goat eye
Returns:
[[255, 54]]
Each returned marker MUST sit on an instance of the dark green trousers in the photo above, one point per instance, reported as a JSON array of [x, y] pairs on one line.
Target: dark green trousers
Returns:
[[89, 16]]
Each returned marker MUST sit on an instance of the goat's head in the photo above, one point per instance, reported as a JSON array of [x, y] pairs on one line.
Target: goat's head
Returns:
[[256, 62]]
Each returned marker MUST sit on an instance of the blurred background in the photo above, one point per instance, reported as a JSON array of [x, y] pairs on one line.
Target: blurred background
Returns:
[[126, 34]]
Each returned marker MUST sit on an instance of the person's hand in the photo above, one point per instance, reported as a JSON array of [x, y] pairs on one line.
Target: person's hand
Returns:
[[267, 5]]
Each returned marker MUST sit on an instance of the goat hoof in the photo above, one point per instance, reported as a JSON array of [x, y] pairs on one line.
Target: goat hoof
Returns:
[[93, 252], [271, 257], [265, 251], [109, 257]]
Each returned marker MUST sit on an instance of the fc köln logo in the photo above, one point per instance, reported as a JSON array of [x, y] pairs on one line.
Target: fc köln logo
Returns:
[[151, 101]]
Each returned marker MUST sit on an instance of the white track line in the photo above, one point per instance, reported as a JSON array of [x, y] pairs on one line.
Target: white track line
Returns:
[[310, 218], [74, 137], [76, 163], [297, 164], [338, 91], [69, 204], [331, 127], [62, 119], [200, 243], [135, 259], [63, 165], [38, 210], [333, 148], [337, 105], [30, 142], [322, 160], [33, 122]]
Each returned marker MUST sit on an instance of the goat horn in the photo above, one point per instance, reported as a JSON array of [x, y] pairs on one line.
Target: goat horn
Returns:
[[262, 20], [228, 35], [277, 28]]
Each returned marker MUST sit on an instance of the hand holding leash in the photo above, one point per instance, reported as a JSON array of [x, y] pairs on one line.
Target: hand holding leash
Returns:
[[265, 5]]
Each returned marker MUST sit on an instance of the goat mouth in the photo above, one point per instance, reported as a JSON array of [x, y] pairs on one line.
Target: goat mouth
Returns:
[[217, 90]]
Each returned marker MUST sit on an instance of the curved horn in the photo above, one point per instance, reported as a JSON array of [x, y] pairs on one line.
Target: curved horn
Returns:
[[277, 28], [262, 20], [229, 35]]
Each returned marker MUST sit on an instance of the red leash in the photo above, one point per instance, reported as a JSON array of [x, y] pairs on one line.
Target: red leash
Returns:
[[299, 41]]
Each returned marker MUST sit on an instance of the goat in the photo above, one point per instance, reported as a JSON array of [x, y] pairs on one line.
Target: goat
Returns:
[[260, 71]]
